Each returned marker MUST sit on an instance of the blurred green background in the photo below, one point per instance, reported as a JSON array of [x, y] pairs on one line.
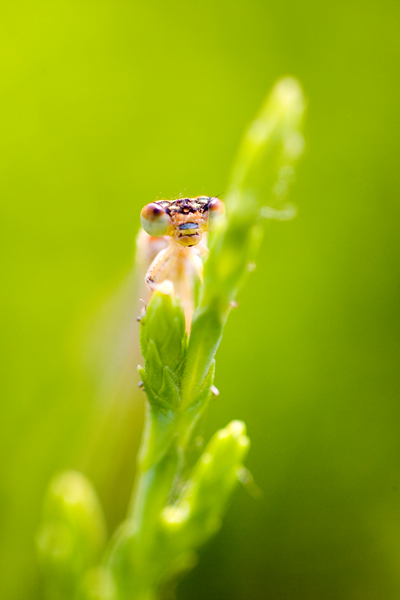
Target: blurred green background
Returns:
[[107, 105]]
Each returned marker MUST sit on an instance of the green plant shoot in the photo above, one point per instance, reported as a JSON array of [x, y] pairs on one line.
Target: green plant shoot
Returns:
[[172, 513]]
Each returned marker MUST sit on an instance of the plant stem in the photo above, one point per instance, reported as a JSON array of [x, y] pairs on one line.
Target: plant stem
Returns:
[[151, 494]]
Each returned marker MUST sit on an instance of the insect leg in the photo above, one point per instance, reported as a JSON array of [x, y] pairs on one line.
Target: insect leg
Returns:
[[197, 263], [156, 276]]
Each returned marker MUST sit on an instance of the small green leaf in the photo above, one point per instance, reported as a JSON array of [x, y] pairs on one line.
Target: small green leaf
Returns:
[[198, 512], [165, 327], [72, 532], [170, 391], [154, 366]]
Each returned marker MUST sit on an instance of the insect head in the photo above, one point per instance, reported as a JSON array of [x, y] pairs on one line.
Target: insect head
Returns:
[[185, 219]]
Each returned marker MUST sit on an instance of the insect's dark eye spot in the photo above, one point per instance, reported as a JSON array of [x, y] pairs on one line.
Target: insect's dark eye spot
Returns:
[[152, 211]]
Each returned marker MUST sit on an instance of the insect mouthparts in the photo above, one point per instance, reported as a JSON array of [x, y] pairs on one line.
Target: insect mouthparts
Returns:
[[189, 226]]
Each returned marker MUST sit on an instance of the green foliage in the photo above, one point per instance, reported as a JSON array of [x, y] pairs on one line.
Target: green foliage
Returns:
[[72, 534], [173, 513], [197, 513], [271, 145]]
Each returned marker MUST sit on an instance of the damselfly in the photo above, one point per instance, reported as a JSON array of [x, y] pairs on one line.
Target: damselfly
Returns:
[[169, 257], [182, 226]]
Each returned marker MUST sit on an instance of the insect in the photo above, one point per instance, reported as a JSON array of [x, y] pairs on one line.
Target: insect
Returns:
[[182, 226]]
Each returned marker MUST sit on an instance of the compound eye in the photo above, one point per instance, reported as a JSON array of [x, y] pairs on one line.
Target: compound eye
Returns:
[[216, 210], [155, 220]]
